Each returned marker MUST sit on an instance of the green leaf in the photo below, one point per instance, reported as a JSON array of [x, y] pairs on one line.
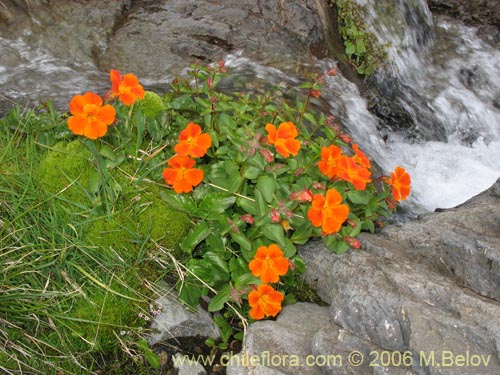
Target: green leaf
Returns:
[[198, 234], [350, 48], [368, 225], [247, 205], [302, 234], [216, 203], [260, 202], [190, 294], [275, 233], [94, 182], [359, 196], [152, 358], [311, 118], [242, 240], [336, 245], [222, 296], [300, 266], [107, 152], [360, 47], [252, 173], [267, 186], [181, 202], [225, 328], [246, 279]]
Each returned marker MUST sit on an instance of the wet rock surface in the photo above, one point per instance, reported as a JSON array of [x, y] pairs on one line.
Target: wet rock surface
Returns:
[[282, 33], [484, 14]]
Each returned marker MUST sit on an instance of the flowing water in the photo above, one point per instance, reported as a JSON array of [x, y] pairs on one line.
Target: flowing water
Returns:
[[440, 72]]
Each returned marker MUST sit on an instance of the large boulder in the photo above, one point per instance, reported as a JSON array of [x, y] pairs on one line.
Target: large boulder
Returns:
[[156, 38], [419, 298]]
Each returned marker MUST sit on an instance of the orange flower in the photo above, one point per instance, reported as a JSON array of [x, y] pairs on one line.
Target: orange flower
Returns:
[[193, 142], [360, 157], [127, 88], [269, 263], [90, 118], [328, 213], [400, 182], [329, 158], [283, 138], [182, 176], [356, 174], [265, 301]]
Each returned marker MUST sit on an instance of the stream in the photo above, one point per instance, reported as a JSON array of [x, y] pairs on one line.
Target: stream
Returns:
[[446, 80]]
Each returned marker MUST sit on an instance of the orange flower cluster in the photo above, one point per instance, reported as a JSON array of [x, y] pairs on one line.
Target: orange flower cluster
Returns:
[[192, 144], [264, 302], [90, 117], [355, 169], [126, 88], [328, 213], [400, 181], [283, 138], [181, 174], [268, 264]]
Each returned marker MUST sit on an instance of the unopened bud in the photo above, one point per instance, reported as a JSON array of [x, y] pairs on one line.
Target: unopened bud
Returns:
[[315, 93], [345, 137], [332, 72], [247, 218], [305, 195], [267, 154], [275, 215], [352, 242]]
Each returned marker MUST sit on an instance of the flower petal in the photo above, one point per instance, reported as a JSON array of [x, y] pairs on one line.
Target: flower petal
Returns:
[[271, 133], [107, 114], [116, 80], [77, 124]]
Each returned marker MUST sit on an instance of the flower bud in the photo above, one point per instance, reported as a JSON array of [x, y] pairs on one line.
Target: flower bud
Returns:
[[247, 218], [275, 215], [314, 93], [345, 137], [332, 72], [267, 154], [305, 195], [352, 242]]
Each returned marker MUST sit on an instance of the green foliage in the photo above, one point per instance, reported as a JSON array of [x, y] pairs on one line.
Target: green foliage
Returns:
[[245, 200], [361, 46]]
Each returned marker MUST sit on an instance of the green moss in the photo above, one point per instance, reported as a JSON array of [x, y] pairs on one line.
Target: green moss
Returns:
[[149, 219], [104, 313], [151, 104], [65, 170]]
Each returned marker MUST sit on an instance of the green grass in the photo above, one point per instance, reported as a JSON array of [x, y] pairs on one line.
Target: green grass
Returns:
[[73, 279]]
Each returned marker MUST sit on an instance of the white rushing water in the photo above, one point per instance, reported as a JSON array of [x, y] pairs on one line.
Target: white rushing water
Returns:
[[458, 82], [454, 79], [30, 74]]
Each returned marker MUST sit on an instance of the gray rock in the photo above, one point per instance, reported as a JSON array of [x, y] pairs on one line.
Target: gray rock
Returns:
[[158, 39], [282, 346], [477, 13], [345, 353], [188, 368], [401, 295], [462, 243], [176, 320]]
